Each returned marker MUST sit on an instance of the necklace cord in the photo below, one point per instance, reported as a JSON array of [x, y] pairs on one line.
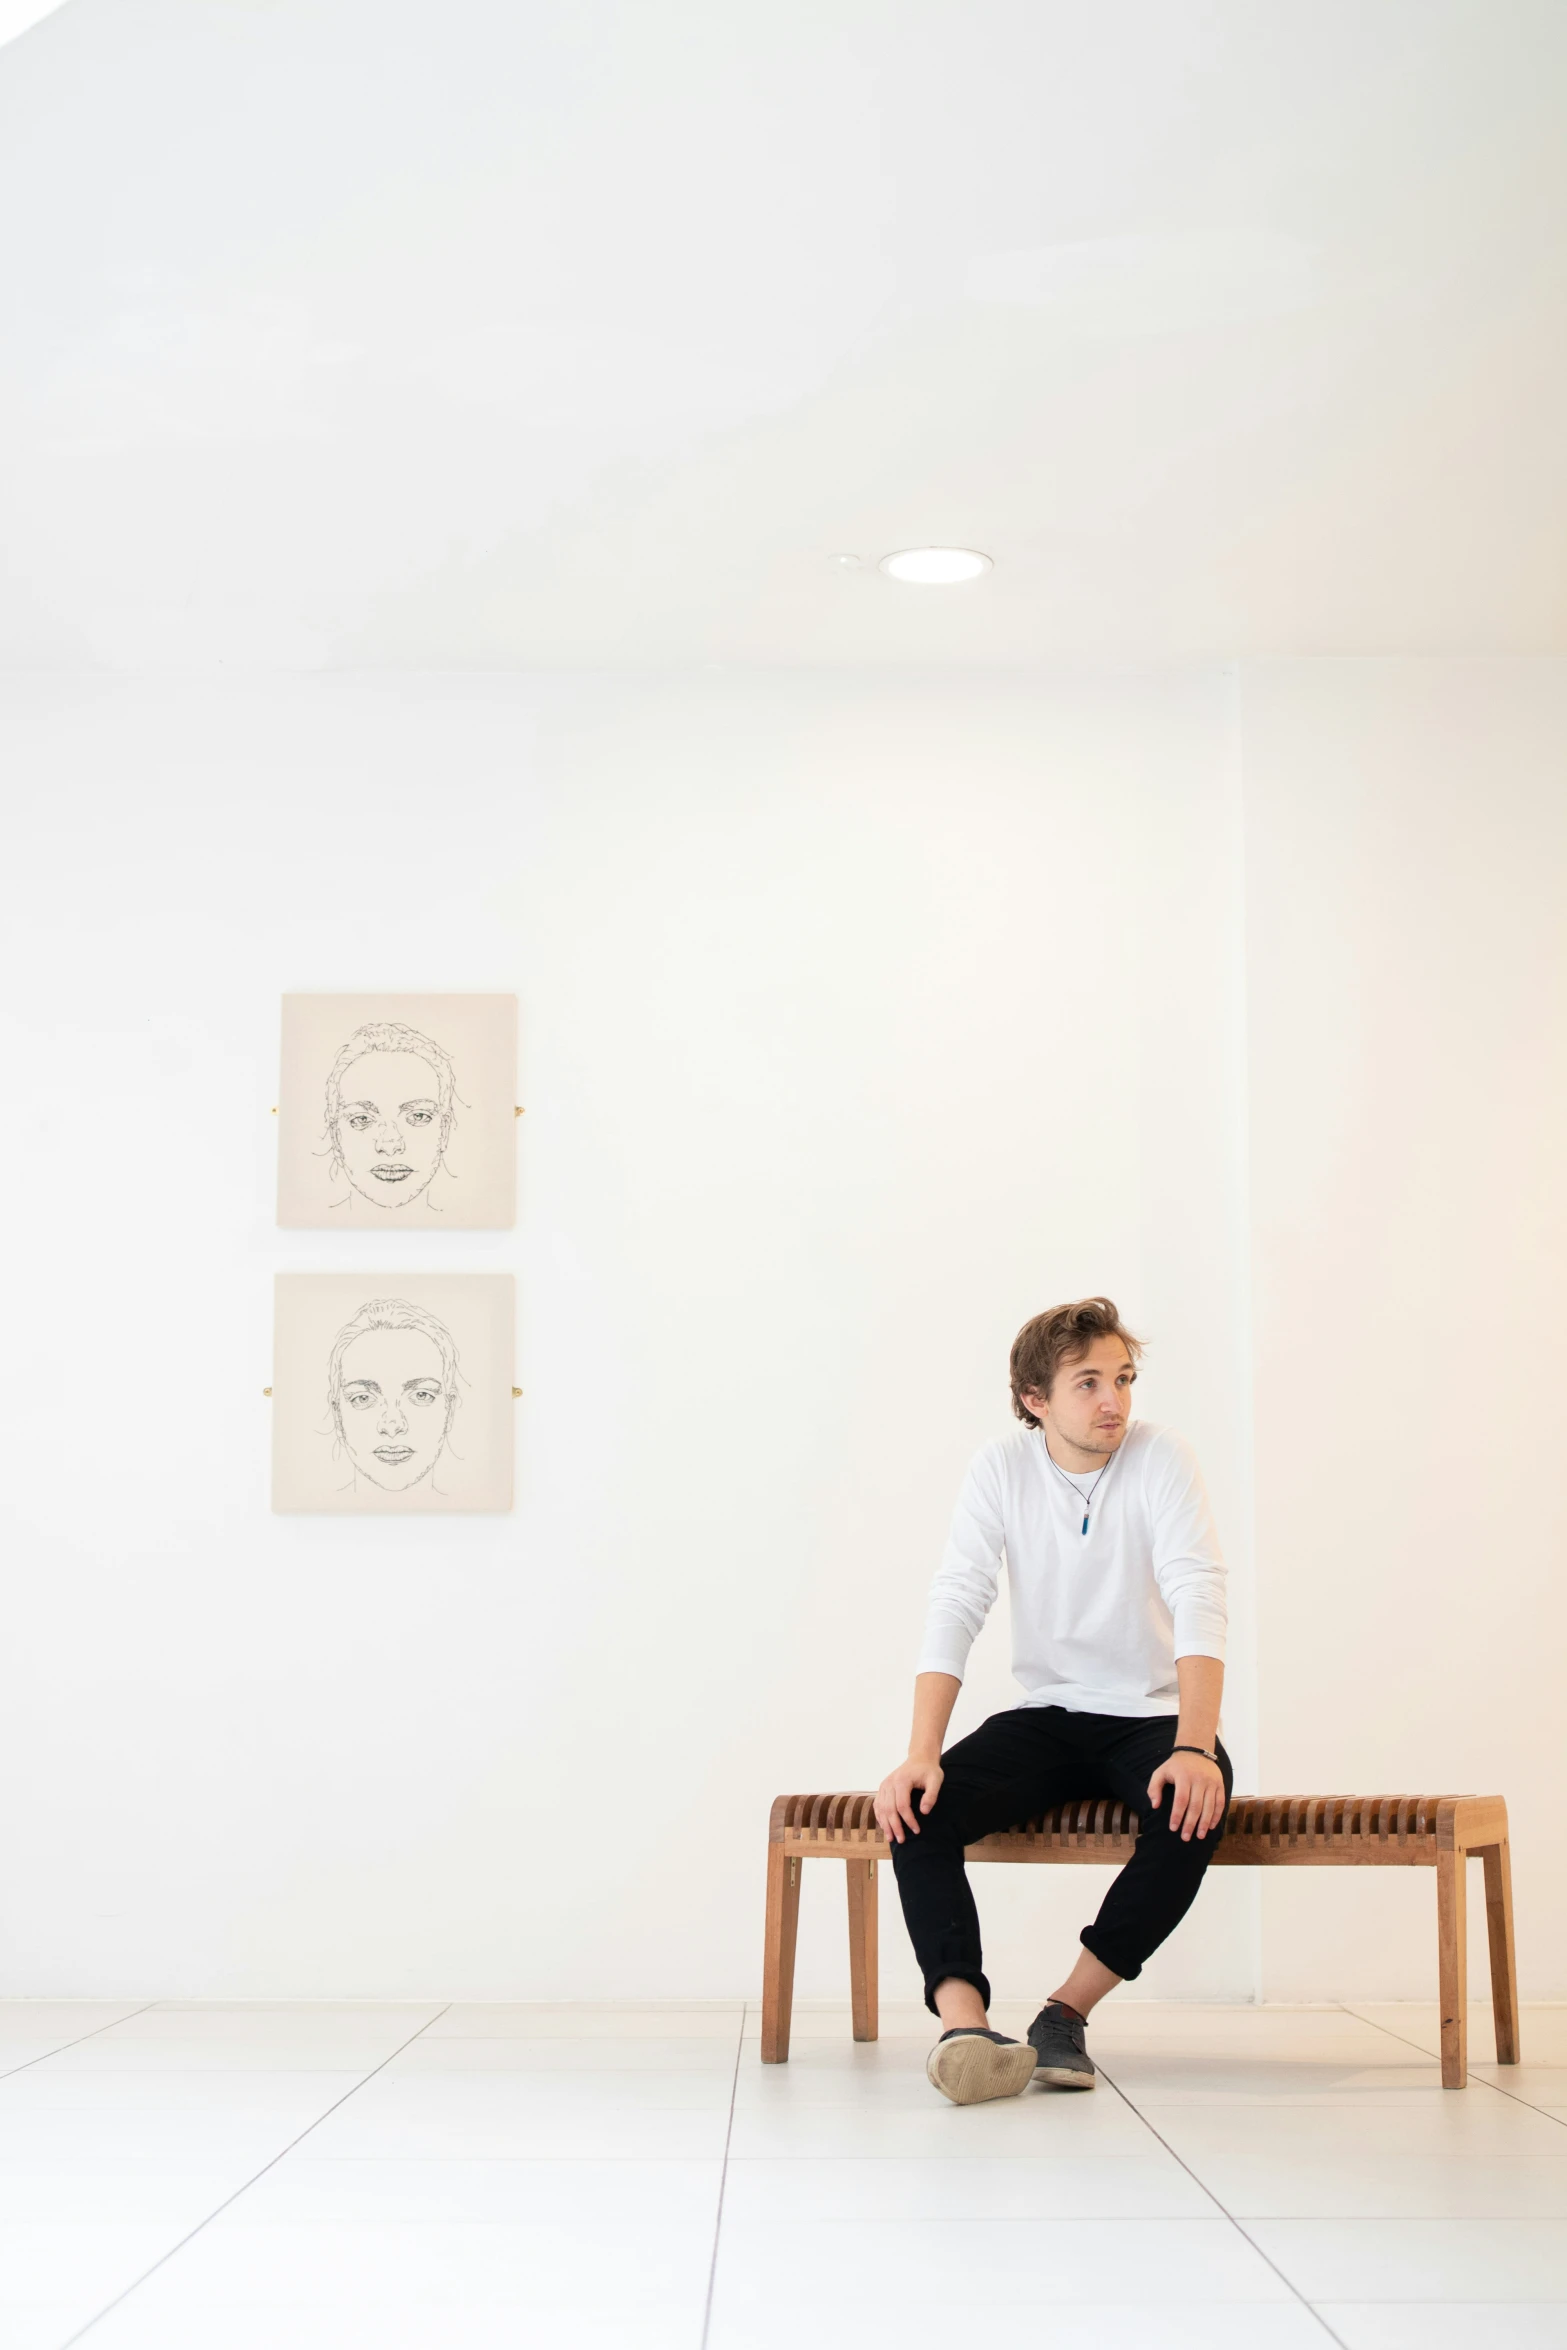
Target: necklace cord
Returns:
[[1084, 1498]]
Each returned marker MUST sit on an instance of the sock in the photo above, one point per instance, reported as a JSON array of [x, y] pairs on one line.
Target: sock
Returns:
[[1068, 2009]]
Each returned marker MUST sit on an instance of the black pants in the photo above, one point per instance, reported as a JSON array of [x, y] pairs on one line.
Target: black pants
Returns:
[[1008, 1771]]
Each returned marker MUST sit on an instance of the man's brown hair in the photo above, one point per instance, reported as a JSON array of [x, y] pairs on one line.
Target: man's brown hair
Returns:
[[1063, 1335]]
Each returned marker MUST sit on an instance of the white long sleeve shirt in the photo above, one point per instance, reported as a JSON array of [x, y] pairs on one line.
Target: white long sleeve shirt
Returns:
[[1098, 1620]]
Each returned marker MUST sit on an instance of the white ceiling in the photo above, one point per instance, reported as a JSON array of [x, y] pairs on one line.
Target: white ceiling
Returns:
[[17, 15], [497, 332]]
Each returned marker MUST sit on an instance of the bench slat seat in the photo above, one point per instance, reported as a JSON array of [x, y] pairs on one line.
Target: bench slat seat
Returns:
[[1440, 1832]]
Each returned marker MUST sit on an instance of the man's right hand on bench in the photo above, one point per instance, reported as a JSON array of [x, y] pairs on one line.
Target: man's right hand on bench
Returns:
[[897, 1812]]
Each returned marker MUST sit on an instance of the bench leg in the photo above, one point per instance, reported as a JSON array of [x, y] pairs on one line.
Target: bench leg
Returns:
[[863, 1967], [783, 1917], [1504, 1963], [1453, 1966]]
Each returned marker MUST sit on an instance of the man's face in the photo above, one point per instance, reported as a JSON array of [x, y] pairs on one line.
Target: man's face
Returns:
[[393, 1406], [1091, 1401], [390, 1132]]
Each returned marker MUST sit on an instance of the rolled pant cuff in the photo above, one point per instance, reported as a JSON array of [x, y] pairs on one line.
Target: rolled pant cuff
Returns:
[[956, 1974], [1124, 1963]]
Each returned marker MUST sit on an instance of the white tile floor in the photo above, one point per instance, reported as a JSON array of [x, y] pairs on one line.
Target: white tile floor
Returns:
[[423, 2178]]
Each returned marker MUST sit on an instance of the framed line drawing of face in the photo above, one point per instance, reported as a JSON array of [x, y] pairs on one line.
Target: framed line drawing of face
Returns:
[[398, 1111], [392, 1392]]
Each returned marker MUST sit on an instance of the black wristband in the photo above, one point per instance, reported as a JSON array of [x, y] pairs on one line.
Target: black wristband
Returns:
[[1202, 1750]]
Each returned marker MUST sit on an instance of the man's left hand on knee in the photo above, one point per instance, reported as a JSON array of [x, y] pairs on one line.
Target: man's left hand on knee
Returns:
[[1198, 1801]]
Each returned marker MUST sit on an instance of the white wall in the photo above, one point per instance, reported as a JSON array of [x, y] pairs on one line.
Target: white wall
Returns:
[[860, 1020], [861, 1017], [1406, 844]]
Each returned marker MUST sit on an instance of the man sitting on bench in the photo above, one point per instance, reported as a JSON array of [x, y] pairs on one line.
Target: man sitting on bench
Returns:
[[1118, 1620]]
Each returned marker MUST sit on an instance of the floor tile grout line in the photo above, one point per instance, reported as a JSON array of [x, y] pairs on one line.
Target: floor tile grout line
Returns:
[[1239, 2227], [244, 2188], [81, 2038], [723, 2181], [1478, 2079]]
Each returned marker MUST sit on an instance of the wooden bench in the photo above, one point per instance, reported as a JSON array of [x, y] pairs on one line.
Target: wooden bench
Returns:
[[1438, 1832]]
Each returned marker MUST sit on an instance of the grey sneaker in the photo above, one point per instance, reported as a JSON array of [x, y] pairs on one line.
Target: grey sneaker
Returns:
[[970, 2064], [1056, 2037]]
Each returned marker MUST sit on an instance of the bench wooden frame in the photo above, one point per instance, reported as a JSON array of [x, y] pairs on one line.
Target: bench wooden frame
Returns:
[[1440, 1832]]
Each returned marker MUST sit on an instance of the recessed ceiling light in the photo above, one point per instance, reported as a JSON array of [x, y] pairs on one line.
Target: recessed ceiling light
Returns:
[[935, 566]]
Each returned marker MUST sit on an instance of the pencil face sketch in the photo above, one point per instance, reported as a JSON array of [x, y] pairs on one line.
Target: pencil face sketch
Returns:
[[398, 1111], [389, 1098], [392, 1392]]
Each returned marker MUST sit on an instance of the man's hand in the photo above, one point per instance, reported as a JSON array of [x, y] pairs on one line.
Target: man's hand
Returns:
[[895, 1806], [1199, 1793]]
